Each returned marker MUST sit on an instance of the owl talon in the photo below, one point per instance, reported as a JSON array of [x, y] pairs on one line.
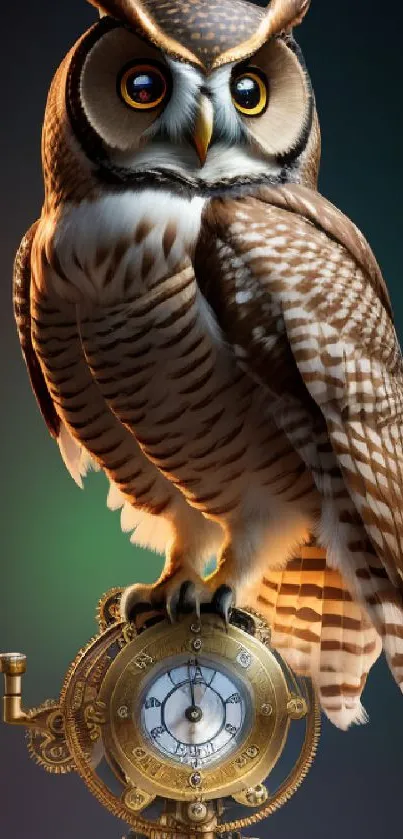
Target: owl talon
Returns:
[[222, 603], [174, 596], [177, 598], [183, 601]]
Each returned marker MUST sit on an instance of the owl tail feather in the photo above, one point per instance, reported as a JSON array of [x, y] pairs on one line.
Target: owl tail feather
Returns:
[[76, 459], [385, 608], [320, 631]]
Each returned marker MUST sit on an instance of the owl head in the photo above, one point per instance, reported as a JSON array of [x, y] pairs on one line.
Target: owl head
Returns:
[[201, 94]]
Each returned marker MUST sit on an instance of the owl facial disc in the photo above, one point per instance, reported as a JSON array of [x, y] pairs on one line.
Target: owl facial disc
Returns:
[[137, 112]]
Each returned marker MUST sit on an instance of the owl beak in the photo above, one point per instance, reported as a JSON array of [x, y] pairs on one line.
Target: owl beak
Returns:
[[203, 128]]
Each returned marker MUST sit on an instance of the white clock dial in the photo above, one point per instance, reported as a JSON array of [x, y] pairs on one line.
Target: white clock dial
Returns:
[[195, 711]]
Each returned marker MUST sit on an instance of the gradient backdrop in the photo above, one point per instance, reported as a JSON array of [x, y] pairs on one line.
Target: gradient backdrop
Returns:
[[61, 548]]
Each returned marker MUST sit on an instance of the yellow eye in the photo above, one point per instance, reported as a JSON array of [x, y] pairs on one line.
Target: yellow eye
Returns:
[[143, 86], [249, 92]]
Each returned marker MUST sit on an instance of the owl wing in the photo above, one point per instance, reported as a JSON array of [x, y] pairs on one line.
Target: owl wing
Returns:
[[300, 296], [75, 458], [141, 525], [88, 433], [22, 313], [320, 631]]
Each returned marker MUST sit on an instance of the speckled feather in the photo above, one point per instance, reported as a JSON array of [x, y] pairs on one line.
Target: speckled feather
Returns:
[[300, 297]]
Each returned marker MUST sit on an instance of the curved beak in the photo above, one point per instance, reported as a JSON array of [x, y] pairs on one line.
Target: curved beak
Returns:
[[203, 128]]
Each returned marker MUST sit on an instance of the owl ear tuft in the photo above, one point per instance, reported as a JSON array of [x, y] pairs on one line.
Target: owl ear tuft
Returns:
[[140, 14], [283, 15], [280, 18], [155, 18]]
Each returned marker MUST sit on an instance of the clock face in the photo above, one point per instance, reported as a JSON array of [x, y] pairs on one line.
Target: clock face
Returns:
[[195, 711]]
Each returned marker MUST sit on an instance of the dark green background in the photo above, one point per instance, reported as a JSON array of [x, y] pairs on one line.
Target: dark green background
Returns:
[[60, 547]]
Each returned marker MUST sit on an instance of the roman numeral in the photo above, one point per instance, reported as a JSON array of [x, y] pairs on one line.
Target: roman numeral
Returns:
[[153, 703], [230, 728], [156, 732]]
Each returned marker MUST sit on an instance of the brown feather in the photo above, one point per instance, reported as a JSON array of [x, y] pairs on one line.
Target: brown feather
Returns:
[[309, 316], [197, 32], [22, 312], [320, 631], [208, 33]]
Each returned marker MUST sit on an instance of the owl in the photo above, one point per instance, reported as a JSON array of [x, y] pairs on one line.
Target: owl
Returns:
[[202, 325]]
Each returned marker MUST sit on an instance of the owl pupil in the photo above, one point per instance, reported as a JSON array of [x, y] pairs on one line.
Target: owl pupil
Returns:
[[145, 88], [246, 92]]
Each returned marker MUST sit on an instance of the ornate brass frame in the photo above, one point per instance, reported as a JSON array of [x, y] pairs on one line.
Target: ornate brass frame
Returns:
[[85, 727]]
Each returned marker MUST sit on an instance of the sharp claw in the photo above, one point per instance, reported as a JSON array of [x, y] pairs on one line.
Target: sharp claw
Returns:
[[182, 601], [222, 602], [187, 598], [172, 606]]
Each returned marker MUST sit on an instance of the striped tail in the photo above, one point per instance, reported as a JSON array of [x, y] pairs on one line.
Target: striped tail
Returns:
[[320, 631]]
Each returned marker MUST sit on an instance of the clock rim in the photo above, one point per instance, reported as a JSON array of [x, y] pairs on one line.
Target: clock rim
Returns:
[[268, 733], [113, 632]]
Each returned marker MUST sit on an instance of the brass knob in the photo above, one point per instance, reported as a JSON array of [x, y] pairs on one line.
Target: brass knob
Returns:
[[252, 797], [297, 707], [13, 664]]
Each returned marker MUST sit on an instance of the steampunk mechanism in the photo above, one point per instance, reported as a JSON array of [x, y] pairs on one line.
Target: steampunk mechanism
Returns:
[[176, 728]]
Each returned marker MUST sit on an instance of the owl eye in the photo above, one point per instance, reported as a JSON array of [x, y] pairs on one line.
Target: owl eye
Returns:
[[249, 91], [143, 86]]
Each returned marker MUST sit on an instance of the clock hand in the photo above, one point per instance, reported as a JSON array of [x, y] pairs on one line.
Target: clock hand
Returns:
[[194, 712], [192, 686]]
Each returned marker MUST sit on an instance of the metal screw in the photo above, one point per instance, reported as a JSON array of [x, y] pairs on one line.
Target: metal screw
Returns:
[[257, 795], [297, 707], [244, 658], [195, 779], [123, 712], [252, 751], [195, 627], [197, 644], [266, 709], [197, 811]]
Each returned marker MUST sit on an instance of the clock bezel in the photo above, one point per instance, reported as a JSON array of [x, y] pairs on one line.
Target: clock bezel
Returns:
[[84, 717], [249, 763]]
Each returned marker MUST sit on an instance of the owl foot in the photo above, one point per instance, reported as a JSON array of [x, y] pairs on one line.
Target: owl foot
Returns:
[[189, 599], [176, 597]]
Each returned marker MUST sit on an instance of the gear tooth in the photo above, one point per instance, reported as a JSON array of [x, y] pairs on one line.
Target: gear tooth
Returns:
[[53, 769], [73, 666], [99, 613]]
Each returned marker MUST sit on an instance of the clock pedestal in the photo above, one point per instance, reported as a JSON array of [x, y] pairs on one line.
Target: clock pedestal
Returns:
[[181, 827], [173, 727], [180, 820]]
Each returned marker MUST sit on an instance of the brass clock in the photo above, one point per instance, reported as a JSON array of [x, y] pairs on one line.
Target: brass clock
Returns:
[[170, 723]]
